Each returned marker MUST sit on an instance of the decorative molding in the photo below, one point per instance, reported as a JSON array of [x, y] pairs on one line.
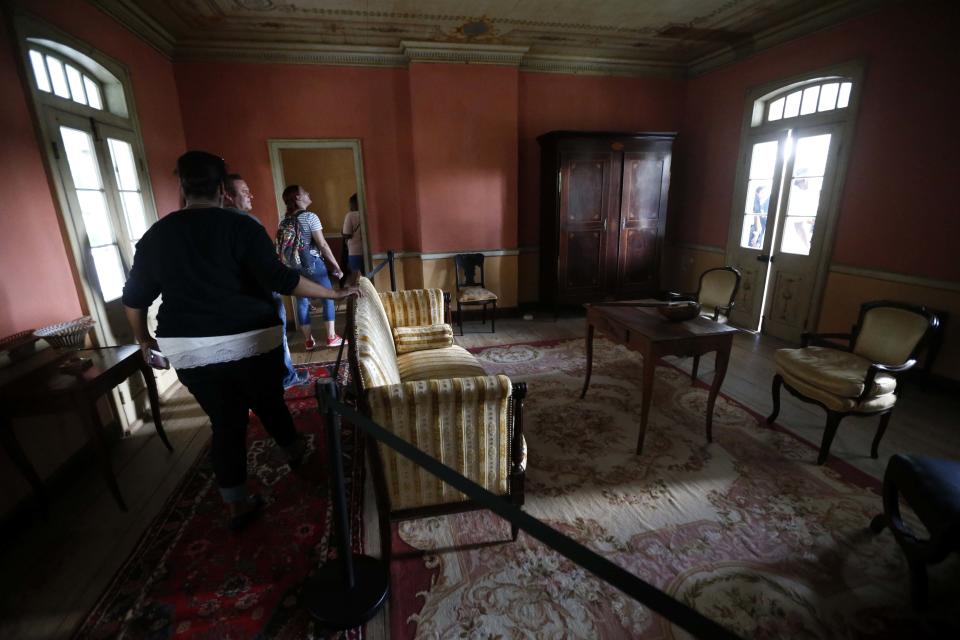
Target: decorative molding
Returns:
[[699, 247], [529, 249], [271, 53], [140, 23], [452, 52], [819, 18], [576, 65], [444, 255], [891, 276]]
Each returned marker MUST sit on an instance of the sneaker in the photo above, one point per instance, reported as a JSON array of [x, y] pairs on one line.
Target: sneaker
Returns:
[[301, 378], [310, 344], [335, 341]]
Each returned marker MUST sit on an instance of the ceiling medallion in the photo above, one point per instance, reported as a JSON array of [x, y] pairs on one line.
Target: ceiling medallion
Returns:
[[482, 27]]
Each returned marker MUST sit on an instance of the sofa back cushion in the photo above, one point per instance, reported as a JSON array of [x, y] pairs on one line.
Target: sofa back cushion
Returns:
[[413, 307], [372, 340]]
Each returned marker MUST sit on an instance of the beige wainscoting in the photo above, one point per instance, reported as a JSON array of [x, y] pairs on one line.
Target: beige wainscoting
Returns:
[[847, 288], [683, 263]]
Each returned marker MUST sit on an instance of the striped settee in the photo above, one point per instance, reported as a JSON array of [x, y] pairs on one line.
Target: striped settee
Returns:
[[415, 382]]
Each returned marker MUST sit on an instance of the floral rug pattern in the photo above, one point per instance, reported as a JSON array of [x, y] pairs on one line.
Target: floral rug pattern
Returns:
[[747, 530]]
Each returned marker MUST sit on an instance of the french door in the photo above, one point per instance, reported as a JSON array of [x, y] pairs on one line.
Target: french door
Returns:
[[777, 242], [108, 211]]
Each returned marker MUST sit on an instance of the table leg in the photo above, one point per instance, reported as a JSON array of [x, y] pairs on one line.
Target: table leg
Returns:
[[649, 364], [90, 418], [720, 371], [147, 372], [586, 382], [10, 444]]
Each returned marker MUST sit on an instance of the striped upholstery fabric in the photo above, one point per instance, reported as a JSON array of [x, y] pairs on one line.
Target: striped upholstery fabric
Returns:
[[460, 421], [435, 336], [450, 362], [372, 340], [413, 307]]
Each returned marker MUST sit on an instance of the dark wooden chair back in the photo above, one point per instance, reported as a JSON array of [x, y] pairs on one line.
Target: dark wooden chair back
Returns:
[[467, 265]]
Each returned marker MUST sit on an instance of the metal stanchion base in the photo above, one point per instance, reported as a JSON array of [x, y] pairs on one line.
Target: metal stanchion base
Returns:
[[334, 606]]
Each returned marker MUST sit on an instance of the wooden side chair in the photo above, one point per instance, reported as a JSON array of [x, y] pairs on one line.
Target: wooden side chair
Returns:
[[859, 378], [472, 292], [715, 293]]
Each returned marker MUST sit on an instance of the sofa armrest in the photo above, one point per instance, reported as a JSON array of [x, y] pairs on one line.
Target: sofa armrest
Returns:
[[462, 422]]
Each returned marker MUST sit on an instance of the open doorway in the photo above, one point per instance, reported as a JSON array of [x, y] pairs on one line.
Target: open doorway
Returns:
[[332, 171]]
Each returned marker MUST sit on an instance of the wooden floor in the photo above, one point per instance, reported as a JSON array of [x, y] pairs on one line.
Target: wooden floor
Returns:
[[53, 570]]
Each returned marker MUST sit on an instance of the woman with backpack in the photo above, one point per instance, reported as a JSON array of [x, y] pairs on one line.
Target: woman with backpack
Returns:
[[301, 245]]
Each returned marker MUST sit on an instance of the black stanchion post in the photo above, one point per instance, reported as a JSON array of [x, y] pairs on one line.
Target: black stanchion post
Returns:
[[345, 592]]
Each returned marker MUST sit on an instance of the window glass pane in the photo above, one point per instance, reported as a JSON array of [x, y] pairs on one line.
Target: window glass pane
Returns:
[[763, 161], [93, 93], [804, 197], [57, 77], [810, 158], [754, 228], [39, 71], [810, 97], [76, 85], [758, 196], [81, 158], [121, 154], [96, 221], [828, 96], [133, 210], [109, 271], [843, 99], [776, 109], [792, 108], [797, 233]]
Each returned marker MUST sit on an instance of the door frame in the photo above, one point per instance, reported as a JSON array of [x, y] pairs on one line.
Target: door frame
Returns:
[[846, 121]]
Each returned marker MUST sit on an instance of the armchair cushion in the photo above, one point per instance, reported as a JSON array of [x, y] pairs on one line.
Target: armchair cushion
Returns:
[[834, 378], [716, 289], [475, 294], [449, 362], [888, 335], [462, 422], [413, 307], [409, 339]]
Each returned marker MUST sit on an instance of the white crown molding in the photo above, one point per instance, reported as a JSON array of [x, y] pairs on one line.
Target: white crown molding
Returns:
[[135, 19], [458, 53], [822, 17], [691, 246], [577, 65], [266, 53]]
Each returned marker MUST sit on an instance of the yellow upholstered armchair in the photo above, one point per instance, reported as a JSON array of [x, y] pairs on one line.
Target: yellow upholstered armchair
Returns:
[[414, 381], [716, 294], [859, 378]]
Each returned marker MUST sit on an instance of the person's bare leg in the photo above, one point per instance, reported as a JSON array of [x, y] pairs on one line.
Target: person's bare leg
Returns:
[[306, 330], [331, 329]]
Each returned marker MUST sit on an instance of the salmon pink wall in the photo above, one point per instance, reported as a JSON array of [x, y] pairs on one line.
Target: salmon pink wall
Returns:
[[898, 210], [233, 109], [33, 253], [550, 102], [464, 127]]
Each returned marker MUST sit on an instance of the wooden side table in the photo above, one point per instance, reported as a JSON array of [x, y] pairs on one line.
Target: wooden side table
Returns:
[[42, 387]]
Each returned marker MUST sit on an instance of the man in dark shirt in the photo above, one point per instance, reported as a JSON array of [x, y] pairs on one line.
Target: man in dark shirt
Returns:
[[218, 326]]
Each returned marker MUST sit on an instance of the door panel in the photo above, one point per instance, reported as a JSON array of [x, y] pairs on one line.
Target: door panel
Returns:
[[640, 219], [583, 273], [585, 183]]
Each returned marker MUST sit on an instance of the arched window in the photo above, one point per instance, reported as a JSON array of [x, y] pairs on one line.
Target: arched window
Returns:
[[59, 77], [806, 98]]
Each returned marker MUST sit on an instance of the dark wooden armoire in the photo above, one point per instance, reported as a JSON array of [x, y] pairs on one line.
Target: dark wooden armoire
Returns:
[[603, 206]]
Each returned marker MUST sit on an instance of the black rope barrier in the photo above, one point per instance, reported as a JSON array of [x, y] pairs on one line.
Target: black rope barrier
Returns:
[[646, 594]]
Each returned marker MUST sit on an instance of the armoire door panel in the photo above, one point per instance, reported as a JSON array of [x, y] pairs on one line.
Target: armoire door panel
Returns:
[[584, 180], [582, 259], [642, 176], [638, 257]]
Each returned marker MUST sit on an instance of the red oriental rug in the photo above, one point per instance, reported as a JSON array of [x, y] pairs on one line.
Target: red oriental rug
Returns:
[[747, 530], [189, 578]]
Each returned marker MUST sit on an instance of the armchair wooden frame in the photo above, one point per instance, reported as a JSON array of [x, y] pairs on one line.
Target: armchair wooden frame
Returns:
[[829, 340], [385, 513], [717, 309], [467, 264]]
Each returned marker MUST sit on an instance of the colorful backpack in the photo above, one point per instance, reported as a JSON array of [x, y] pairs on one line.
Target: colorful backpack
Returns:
[[290, 243]]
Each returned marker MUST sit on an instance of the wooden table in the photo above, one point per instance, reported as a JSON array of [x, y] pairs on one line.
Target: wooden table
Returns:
[[646, 331], [39, 386]]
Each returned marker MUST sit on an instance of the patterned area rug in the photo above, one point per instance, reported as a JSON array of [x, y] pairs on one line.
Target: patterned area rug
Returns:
[[190, 578], [747, 530]]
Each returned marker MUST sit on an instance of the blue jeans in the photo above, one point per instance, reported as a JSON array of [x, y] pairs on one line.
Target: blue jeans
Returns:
[[290, 376], [317, 273], [355, 263]]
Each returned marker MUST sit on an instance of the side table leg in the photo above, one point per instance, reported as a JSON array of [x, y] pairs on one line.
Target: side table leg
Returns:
[[649, 364], [586, 382], [723, 358], [91, 422], [147, 372], [20, 459]]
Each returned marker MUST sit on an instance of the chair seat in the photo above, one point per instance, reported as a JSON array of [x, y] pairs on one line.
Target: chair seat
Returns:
[[840, 373], [449, 362], [475, 294]]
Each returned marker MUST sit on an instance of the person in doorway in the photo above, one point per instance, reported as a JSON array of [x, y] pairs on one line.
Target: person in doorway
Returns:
[[317, 264], [218, 326], [353, 237], [237, 195]]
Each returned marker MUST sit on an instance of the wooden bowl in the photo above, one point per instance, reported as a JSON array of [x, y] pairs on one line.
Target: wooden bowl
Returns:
[[680, 311]]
